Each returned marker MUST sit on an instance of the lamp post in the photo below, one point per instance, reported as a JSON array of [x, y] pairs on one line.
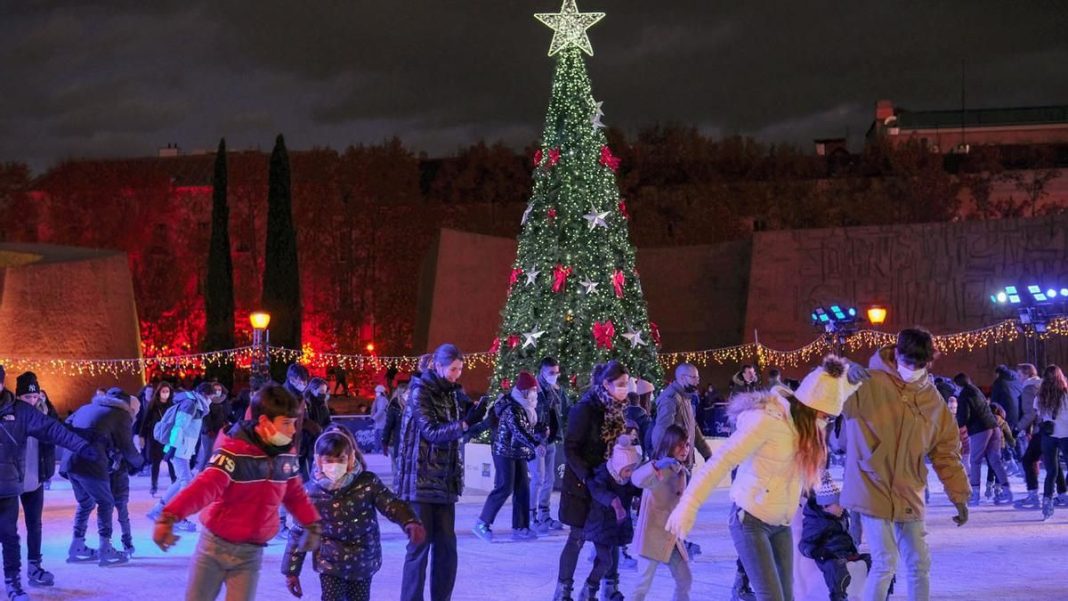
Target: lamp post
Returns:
[[261, 339], [877, 315]]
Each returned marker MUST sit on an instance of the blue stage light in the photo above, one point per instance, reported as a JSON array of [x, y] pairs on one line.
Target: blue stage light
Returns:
[[852, 312], [1010, 290], [824, 317], [1064, 291], [1014, 299], [1002, 297], [1051, 293], [1034, 289]]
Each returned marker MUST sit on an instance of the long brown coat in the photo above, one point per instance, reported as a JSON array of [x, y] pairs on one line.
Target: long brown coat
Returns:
[[660, 494]]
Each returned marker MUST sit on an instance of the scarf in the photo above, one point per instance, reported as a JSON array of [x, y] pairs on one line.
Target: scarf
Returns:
[[614, 424]]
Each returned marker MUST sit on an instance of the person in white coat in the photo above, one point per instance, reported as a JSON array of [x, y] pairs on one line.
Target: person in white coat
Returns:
[[779, 446]]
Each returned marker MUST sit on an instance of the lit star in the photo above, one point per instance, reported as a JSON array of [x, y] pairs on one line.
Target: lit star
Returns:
[[569, 27], [532, 274], [635, 338], [531, 338], [588, 285], [596, 219]]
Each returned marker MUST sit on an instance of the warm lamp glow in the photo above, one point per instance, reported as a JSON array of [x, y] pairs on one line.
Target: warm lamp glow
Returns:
[[877, 315], [259, 320], [370, 347]]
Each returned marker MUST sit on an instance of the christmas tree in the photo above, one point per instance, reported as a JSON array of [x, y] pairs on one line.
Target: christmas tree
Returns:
[[574, 292]]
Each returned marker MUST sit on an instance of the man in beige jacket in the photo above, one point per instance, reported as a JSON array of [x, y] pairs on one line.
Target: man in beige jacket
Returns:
[[892, 424]]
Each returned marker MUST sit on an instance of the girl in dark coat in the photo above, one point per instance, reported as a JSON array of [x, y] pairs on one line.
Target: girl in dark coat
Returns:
[[825, 537], [347, 497], [514, 445], [593, 423], [161, 401], [609, 524]]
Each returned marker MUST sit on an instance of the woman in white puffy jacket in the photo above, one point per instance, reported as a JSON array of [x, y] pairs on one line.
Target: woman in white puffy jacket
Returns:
[[779, 445]]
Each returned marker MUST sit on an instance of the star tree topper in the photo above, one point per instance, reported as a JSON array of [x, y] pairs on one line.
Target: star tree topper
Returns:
[[569, 27]]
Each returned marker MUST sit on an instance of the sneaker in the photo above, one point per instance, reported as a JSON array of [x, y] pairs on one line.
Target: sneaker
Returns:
[[1060, 500], [554, 525], [186, 526], [1047, 509], [482, 530], [38, 576], [524, 534], [1004, 496], [14, 590], [989, 494]]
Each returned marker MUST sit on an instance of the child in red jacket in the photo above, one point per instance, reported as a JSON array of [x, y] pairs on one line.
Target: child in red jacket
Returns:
[[252, 472]]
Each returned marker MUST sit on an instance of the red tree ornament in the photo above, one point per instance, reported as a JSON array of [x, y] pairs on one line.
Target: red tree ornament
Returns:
[[554, 156], [551, 213], [506, 384], [514, 277], [603, 332], [574, 380], [608, 159], [623, 208], [560, 274], [513, 341], [495, 346], [618, 280], [654, 330], [537, 157]]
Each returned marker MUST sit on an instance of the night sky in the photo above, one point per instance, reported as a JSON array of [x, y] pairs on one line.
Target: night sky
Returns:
[[79, 80]]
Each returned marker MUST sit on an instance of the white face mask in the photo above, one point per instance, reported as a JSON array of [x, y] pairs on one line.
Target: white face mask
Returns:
[[335, 471], [551, 379], [279, 440], [910, 375]]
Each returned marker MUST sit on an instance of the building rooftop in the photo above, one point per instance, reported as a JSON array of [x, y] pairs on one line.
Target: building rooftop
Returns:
[[973, 118]]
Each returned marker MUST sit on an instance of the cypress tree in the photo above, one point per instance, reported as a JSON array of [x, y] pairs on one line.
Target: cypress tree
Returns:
[[281, 273], [219, 287]]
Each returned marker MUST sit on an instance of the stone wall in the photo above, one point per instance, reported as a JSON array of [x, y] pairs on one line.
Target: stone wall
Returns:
[[67, 303]]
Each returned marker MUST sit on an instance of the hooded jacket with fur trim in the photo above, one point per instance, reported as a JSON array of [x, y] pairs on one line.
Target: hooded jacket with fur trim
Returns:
[[890, 427], [763, 446]]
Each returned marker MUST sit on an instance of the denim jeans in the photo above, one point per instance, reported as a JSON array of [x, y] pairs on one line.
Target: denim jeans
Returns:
[[120, 490], [542, 479], [185, 476], [439, 520], [887, 540], [680, 571], [217, 562], [510, 478], [90, 492], [984, 447], [1050, 448], [766, 552], [32, 508]]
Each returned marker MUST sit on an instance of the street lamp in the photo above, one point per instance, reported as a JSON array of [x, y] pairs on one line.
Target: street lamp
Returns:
[[877, 315], [261, 339]]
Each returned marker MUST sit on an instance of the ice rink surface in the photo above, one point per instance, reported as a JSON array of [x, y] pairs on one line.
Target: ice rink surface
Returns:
[[1002, 554]]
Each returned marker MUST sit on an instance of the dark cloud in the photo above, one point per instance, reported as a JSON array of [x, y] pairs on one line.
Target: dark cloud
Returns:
[[100, 79]]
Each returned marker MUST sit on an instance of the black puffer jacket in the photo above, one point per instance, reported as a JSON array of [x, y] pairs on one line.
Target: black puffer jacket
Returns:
[[601, 526], [105, 422], [432, 466], [391, 433], [973, 411], [1005, 391], [584, 450], [17, 421], [824, 536], [352, 543], [513, 438], [551, 401]]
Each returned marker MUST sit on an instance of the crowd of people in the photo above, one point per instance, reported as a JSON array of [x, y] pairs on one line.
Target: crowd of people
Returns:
[[249, 464]]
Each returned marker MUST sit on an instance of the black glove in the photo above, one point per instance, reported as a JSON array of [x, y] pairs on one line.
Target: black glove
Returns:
[[169, 455], [89, 453], [476, 413]]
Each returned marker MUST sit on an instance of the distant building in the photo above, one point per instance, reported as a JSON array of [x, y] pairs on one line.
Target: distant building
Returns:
[[955, 131]]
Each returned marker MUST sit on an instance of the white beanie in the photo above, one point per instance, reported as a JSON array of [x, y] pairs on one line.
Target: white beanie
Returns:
[[624, 455], [826, 388]]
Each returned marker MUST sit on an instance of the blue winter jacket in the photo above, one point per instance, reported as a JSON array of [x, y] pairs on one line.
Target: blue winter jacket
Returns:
[[19, 420]]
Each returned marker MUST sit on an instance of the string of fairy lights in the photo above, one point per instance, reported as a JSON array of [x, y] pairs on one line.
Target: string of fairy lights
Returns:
[[1007, 331]]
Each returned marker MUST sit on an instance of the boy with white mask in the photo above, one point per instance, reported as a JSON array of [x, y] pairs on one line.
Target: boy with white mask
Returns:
[[893, 422], [549, 428]]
